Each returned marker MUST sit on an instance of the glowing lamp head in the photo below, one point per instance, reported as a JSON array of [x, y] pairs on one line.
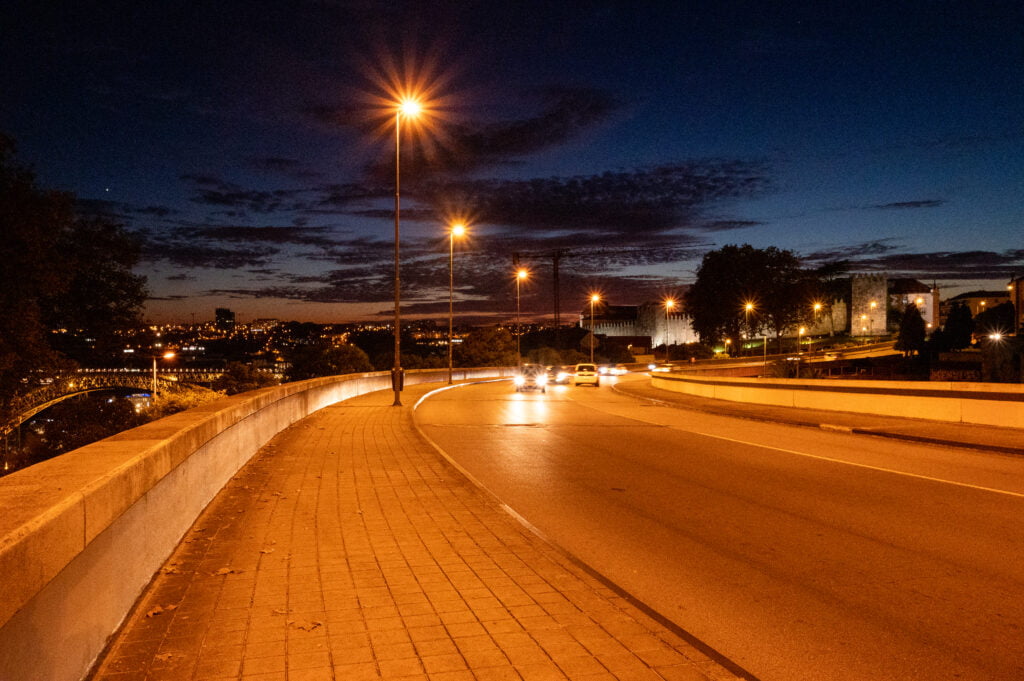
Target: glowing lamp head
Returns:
[[458, 229], [817, 307], [749, 307], [670, 303], [168, 355], [521, 274], [595, 298], [410, 108]]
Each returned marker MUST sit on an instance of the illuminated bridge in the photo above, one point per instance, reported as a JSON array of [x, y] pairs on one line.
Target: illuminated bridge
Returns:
[[84, 381]]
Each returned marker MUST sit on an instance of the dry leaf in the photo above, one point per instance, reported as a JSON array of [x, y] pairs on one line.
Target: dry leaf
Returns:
[[160, 609], [227, 571]]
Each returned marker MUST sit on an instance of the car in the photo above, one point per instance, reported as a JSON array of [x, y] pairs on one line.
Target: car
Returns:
[[531, 377], [559, 375], [586, 374]]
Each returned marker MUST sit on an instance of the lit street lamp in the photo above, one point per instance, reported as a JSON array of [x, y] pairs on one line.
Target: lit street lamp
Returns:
[[457, 230], [409, 108], [521, 275], [669, 304], [166, 355], [748, 307], [594, 298]]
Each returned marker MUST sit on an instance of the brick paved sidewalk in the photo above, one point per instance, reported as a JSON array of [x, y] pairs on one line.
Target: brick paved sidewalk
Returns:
[[348, 549]]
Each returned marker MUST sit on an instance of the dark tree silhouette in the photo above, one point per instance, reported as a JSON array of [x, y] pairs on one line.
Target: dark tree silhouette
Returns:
[[66, 285], [912, 331]]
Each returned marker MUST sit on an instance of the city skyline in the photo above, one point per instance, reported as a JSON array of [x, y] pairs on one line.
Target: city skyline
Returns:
[[250, 145]]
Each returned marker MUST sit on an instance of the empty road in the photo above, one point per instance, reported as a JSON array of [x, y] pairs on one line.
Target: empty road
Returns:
[[798, 554]]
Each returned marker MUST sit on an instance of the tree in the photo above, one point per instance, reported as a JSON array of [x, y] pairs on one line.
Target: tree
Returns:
[[998, 319], [486, 347], [912, 332], [959, 327], [727, 279], [240, 378], [66, 286], [313, 361]]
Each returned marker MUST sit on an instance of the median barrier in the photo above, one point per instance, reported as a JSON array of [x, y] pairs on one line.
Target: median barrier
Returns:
[[990, 404], [82, 534]]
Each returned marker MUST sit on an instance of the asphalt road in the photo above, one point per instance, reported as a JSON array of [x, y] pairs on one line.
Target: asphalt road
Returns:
[[796, 553]]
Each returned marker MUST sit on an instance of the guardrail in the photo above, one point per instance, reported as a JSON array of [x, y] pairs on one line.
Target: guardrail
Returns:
[[82, 534], [990, 404]]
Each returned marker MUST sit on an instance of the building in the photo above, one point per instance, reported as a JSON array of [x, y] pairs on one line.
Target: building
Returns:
[[636, 322], [906, 292], [978, 301], [1015, 289], [224, 319]]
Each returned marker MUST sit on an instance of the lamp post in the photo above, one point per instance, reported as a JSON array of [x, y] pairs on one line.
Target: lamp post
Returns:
[[166, 355], [457, 230], [669, 304], [409, 108], [800, 339], [521, 275], [594, 298], [748, 307], [871, 320]]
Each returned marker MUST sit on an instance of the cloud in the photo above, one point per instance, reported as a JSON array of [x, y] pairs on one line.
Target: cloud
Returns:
[[904, 205], [884, 256], [453, 147], [643, 201], [211, 191]]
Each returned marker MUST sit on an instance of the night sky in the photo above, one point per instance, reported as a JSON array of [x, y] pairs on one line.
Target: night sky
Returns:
[[251, 146]]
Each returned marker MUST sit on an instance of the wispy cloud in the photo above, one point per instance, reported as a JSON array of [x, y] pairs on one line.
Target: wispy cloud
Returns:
[[905, 205]]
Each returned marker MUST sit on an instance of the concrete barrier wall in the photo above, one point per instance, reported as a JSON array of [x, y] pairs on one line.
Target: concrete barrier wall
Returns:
[[82, 535], [991, 404]]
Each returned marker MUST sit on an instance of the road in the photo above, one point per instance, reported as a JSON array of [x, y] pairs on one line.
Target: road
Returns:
[[796, 553]]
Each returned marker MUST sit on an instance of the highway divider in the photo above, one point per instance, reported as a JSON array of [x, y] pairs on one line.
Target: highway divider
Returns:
[[990, 404]]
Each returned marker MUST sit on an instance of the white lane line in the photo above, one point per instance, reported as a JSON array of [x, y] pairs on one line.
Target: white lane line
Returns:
[[863, 465]]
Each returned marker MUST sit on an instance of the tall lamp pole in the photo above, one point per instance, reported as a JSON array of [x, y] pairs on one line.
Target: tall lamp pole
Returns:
[[669, 304], [457, 230], [521, 274], [594, 298], [166, 355], [409, 108]]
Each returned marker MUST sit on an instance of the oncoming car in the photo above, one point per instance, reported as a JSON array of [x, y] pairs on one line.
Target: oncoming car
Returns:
[[531, 377], [586, 374]]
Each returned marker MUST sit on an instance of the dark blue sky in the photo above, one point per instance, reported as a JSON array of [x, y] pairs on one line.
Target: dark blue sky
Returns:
[[245, 142]]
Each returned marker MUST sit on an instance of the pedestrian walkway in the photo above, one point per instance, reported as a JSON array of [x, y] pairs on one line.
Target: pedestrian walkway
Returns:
[[349, 549], [1009, 440]]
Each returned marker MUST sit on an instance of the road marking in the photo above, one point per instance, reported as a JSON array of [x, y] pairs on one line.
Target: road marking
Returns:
[[864, 465]]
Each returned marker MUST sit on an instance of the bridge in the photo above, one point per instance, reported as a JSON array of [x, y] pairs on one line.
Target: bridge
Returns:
[[83, 534], [66, 386]]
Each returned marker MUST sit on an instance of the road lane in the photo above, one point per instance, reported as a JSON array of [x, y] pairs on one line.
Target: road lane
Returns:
[[793, 565]]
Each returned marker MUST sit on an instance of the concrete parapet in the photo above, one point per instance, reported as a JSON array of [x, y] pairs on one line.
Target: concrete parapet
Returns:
[[990, 404], [82, 534]]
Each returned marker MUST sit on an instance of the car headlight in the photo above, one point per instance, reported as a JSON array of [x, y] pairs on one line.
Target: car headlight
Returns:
[[519, 380], [562, 376], [541, 380]]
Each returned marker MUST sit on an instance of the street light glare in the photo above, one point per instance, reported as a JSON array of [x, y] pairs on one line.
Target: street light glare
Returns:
[[594, 298], [458, 229], [522, 274], [749, 307], [168, 355], [410, 108]]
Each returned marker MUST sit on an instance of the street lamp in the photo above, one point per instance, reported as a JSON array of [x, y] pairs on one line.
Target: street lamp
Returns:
[[800, 339], [669, 304], [748, 307], [594, 298], [457, 230], [410, 108], [166, 355], [521, 275]]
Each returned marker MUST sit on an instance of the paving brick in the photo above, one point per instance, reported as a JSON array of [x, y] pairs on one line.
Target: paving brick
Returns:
[[348, 549]]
